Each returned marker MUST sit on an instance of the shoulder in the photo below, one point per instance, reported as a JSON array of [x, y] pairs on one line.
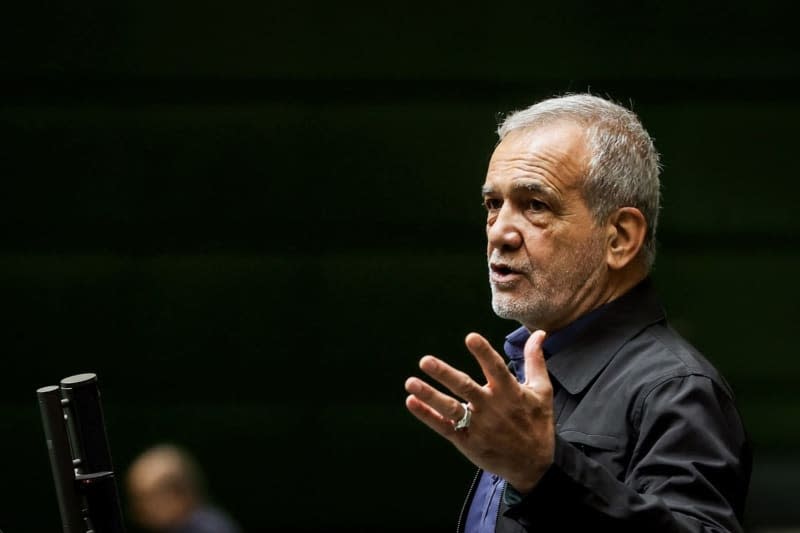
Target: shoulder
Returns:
[[208, 519], [662, 363], [664, 353]]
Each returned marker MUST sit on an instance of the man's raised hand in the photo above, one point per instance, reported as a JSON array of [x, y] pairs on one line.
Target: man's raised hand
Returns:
[[511, 431]]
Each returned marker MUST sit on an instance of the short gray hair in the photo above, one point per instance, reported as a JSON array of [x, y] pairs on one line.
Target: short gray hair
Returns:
[[623, 169]]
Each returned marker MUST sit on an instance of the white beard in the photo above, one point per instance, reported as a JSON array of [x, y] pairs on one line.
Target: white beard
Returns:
[[550, 292]]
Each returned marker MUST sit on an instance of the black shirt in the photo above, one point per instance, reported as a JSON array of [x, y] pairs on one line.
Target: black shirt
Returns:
[[647, 434]]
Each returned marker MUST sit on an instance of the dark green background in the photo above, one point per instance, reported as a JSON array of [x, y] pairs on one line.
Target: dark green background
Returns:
[[251, 219]]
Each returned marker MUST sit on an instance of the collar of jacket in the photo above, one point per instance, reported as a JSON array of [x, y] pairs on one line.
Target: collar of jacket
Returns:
[[576, 365]]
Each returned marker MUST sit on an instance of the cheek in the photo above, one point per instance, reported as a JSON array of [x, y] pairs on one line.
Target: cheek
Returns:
[[538, 242]]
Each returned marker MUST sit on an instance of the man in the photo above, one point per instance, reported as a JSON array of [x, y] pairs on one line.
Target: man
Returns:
[[166, 494], [608, 419]]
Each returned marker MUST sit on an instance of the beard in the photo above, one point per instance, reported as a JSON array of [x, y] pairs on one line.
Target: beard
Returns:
[[550, 293]]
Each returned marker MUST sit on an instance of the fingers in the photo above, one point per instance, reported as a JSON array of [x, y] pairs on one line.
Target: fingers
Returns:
[[535, 368], [457, 381], [430, 417], [491, 362], [512, 427], [447, 406]]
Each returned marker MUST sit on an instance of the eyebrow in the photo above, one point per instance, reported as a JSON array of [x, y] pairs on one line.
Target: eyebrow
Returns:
[[520, 185]]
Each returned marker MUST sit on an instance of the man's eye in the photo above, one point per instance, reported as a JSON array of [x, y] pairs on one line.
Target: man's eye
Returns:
[[492, 204], [537, 206]]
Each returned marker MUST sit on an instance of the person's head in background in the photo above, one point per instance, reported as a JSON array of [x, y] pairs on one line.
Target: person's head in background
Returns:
[[164, 487]]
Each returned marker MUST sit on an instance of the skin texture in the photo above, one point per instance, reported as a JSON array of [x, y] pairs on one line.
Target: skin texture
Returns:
[[539, 226], [550, 262]]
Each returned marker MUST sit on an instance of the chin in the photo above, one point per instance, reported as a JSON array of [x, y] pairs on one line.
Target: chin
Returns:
[[510, 310], [525, 311]]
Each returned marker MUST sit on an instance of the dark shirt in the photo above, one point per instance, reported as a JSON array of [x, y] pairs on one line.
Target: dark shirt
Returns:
[[207, 520], [647, 435]]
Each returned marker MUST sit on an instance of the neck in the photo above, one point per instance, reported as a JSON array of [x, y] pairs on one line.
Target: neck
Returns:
[[622, 281]]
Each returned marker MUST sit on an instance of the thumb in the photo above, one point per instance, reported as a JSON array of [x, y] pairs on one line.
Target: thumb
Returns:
[[535, 367]]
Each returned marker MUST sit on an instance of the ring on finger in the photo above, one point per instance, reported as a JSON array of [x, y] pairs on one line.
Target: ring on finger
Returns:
[[463, 423]]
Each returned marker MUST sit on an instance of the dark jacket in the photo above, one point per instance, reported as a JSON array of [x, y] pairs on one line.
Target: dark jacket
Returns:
[[648, 437]]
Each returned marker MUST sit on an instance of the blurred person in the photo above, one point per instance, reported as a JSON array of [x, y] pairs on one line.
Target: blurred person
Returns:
[[603, 418], [167, 494]]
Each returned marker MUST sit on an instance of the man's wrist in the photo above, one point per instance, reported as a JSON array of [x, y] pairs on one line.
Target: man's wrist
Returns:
[[523, 486]]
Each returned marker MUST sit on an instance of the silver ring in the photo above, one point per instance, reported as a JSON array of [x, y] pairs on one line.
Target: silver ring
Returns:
[[465, 420]]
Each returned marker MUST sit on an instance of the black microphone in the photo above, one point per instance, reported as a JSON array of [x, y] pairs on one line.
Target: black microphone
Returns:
[[80, 457]]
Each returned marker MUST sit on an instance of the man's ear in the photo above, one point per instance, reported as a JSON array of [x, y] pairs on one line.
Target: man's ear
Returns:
[[626, 230]]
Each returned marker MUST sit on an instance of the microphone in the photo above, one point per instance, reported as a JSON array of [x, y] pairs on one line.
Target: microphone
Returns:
[[80, 457]]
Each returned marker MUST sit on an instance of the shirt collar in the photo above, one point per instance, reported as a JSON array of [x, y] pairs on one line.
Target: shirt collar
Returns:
[[576, 354], [554, 342]]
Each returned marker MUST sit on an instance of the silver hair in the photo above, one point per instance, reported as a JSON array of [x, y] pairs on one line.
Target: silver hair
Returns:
[[623, 169]]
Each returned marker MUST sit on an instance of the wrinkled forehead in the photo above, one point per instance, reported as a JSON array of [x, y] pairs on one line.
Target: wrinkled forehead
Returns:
[[556, 149], [562, 136]]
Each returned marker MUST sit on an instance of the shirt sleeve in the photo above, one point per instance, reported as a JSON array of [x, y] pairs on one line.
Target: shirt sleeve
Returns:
[[688, 471]]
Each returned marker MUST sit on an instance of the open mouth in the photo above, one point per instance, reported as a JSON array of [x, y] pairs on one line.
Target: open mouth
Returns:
[[502, 270]]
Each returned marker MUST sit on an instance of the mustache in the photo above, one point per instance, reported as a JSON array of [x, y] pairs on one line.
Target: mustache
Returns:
[[497, 260]]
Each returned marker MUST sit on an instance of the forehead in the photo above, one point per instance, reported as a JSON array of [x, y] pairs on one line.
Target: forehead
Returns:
[[150, 471], [555, 153]]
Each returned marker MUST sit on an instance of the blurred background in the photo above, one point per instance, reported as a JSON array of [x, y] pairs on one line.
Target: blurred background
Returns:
[[251, 219]]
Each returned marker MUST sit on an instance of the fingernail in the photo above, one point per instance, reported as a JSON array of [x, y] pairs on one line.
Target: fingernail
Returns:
[[427, 363], [412, 386]]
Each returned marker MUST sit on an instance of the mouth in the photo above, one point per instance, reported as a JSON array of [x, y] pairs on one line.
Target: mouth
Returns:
[[502, 270], [503, 273]]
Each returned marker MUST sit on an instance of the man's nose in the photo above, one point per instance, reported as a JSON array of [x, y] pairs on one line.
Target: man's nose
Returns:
[[504, 231]]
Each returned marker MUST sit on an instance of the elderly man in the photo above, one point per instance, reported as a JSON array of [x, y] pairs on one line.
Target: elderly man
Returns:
[[608, 419]]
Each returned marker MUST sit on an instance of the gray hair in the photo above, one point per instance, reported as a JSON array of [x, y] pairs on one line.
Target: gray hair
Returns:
[[623, 169]]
